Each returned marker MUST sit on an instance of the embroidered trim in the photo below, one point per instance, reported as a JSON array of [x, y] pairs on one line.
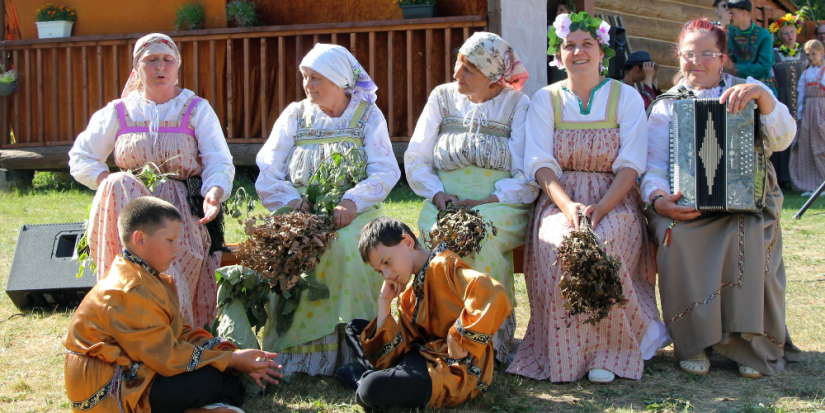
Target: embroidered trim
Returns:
[[418, 283], [132, 372], [770, 247], [388, 348], [212, 342], [773, 340], [472, 369], [134, 259], [196, 359], [111, 388], [590, 101], [471, 335]]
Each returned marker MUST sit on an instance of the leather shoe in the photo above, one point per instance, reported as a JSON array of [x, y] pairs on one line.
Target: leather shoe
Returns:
[[350, 375]]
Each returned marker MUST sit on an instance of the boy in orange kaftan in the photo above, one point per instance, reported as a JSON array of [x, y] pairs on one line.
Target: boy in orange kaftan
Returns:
[[439, 353], [128, 349]]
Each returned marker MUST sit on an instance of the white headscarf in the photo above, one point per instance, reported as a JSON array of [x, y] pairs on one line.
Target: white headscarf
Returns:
[[341, 68]]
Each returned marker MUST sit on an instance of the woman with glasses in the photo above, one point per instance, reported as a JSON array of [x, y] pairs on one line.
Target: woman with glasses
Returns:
[[721, 277]]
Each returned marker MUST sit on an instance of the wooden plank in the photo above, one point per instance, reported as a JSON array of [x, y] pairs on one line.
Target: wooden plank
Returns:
[[674, 12], [466, 33], [99, 77], [182, 68], [247, 94], [390, 86], [334, 39], [55, 97], [230, 132], [644, 27], [315, 40], [17, 104], [5, 136], [353, 46], [263, 90], [298, 80], [196, 64], [213, 70], [409, 84], [29, 104], [372, 52], [40, 99], [448, 67], [85, 69], [70, 100], [428, 59], [281, 74], [661, 52], [117, 87]]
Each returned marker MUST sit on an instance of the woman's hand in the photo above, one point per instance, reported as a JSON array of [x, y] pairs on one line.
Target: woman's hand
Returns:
[[666, 206], [454, 349], [344, 213], [257, 364], [300, 205], [102, 177], [649, 70], [571, 212], [211, 204], [596, 213], [472, 203], [738, 96], [441, 199]]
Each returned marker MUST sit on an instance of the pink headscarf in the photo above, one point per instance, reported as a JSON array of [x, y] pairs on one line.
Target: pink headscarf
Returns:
[[150, 44], [494, 57]]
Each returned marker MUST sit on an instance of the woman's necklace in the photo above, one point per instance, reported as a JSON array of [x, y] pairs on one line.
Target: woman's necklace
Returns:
[[787, 51]]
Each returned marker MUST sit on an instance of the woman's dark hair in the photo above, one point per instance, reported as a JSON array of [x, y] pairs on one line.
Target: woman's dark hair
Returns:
[[385, 231], [703, 25], [716, 2]]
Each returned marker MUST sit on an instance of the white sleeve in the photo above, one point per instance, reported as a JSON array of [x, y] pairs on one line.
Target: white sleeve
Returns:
[[658, 149], [800, 95], [418, 158], [218, 169], [539, 126], [518, 189], [382, 168], [87, 158], [632, 132], [272, 189], [778, 127]]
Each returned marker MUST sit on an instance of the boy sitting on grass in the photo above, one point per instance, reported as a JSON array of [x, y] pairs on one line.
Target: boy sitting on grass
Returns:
[[439, 352], [128, 349]]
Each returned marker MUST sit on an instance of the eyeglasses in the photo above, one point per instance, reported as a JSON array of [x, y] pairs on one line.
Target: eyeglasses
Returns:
[[703, 56]]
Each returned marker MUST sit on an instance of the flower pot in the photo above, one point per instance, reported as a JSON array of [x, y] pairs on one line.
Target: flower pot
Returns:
[[7, 88], [418, 11], [48, 30]]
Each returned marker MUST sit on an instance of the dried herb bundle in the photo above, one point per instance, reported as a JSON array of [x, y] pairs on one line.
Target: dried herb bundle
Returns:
[[462, 229], [590, 282]]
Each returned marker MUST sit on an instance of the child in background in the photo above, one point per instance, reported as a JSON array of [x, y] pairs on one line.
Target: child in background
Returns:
[[128, 349], [439, 353], [808, 154]]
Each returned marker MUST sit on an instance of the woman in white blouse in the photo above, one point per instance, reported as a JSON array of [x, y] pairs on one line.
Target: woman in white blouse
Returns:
[[338, 114], [721, 277], [586, 144], [808, 155], [468, 148], [159, 123]]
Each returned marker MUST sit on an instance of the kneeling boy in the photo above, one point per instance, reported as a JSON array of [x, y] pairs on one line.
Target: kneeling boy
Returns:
[[128, 349], [439, 352]]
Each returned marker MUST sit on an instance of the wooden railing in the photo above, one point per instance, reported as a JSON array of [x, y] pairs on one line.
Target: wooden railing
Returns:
[[248, 75]]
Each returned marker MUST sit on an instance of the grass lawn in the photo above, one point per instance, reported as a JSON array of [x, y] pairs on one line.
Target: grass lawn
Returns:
[[31, 353]]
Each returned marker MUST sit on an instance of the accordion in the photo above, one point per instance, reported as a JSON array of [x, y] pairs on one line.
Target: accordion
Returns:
[[717, 158]]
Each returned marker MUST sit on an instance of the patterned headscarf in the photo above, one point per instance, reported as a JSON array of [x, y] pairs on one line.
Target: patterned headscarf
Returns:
[[341, 68], [490, 54], [150, 44]]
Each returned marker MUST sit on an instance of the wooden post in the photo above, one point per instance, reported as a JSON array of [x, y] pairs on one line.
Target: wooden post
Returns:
[[493, 17], [263, 89]]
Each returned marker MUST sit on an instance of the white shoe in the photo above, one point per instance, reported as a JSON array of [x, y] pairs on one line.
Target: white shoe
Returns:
[[215, 408], [698, 364], [600, 376], [748, 372], [808, 193]]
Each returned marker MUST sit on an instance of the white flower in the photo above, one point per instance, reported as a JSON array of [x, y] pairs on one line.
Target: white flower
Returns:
[[603, 33], [562, 25]]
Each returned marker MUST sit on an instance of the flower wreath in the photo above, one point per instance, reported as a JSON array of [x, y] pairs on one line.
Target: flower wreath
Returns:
[[568, 23], [787, 51], [786, 20]]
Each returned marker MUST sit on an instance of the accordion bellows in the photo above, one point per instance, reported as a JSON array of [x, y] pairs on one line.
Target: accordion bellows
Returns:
[[717, 158]]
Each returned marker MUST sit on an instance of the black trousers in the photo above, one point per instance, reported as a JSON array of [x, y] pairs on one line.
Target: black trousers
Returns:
[[194, 389], [406, 386]]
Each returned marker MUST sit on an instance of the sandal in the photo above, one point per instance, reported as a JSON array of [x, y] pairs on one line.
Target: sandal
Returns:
[[748, 372], [698, 364]]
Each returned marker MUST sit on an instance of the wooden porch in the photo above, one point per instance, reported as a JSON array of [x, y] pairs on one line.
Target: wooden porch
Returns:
[[248, 75]]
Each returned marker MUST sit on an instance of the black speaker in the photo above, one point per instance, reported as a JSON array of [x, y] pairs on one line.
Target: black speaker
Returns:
[[618, 40], [43, 273]]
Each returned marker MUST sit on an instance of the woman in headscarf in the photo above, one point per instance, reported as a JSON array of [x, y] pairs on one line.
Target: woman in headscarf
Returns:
[[177, 134], [339, 114], [586, 144], [468, 148]]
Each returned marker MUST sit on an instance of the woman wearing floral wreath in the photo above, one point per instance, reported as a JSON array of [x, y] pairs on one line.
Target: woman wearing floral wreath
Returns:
[[808, 153], [791, 61], [721, 277], [468, 149], [586, 144], [157, 122], [339, 114]]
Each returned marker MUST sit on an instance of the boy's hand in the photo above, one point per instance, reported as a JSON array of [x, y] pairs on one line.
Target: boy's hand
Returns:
[[454, 349], [390, 290], [257, 364]]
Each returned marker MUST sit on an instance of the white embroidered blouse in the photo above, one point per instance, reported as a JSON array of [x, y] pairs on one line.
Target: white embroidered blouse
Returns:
[[281, 174], [539, 152], [87, 158], [810, 75], [778, 128], [468, 141]]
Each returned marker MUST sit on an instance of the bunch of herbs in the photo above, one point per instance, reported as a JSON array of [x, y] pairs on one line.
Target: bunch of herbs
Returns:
[[190, 16], [463, 230], [243, 14]]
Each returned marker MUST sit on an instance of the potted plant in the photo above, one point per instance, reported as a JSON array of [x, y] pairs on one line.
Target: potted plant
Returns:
[[54, 20], [417, 9], [243, 14], [8, 81], [190, 16]]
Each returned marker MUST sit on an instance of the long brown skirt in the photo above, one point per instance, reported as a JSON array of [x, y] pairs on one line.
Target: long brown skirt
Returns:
[[722, 285]]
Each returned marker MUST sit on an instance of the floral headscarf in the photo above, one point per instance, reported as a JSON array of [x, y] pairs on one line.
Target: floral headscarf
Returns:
[[341, 68], [567, 23], [494, 57], [150, 44]]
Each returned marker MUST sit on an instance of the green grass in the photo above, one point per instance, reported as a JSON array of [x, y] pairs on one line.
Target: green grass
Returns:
[[31, 353]]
